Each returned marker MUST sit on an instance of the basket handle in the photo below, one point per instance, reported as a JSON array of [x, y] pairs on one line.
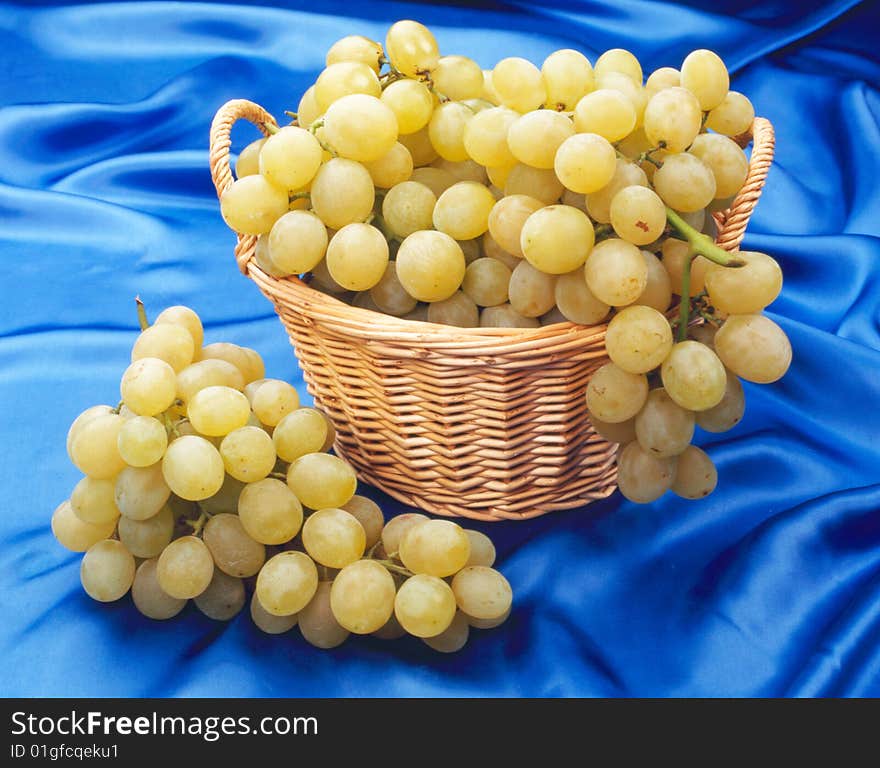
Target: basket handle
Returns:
[[221, 172], [732, 223]]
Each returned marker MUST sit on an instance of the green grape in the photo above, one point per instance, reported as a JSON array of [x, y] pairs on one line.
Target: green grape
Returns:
[[253, 204], [185, 568], [492, 250], [471, 249], [486, 281], [273, 400], [606, 113], [419, 146], [616, 272], [357, 256], [615, 395], [436, 547], [184, 317], [695, 476], [75, 535], [193, 468], [507, 218], [95, 447], [568, 77], [554, 316], [462, 211], [368, 513], [80, 421], [411, 102], [248, 454], [232, 354], [519, 84], [458, 78], [575, 300], [362, 597], [505, 316], [438, 180], [321, 481], [300, 432], [317, 622], [744, 290], [411, 48], [658, 290], [486, 623], [540, 183], [458, 310], [425, 605], [394, 167], [307, 111], [396, 527], [148, 596], [728, 163], [286, 583], [664, 428], [141, 492], [482, 549], [675, 256], [684, 182], [453, 638], [694, 376], [142, 441], [535, 137], [148, 386], [390, 295], [630, 89], [557, 239], [360, 127], [638, 215], [641, 477], [291, 157], [391, 630], [333, 537], [482, 592], [754, 348], [356, 48], [673, 117], [342, 192], [408, 207], [248, 162], [532, 292], [585, 163], [465, 170], [733, 116], [703, 73], [223, 598], [147, 538], [233, 550], [169, 342], [638, 339], [633, 145], [107, 571], [729, 411], [498, 176], [345, 78], [217, 411], [619, 60], [297, 242], [93, 501], [430, 265], [626, 174], [662, 78], [446, 130], [269, 623], [207, 373], [270, 512], [575, 200], [705, 334], [620, 432], [226, 499]]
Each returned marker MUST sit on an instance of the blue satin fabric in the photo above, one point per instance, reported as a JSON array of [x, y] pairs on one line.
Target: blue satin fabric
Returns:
[[769, 587]]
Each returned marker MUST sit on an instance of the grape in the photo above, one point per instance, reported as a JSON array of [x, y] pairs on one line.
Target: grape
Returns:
[[248, 162], [356, 48], [408, 207], [695, 476], [185, 568], [438, 180], [169, 342], [425, 605], [411, 48], [554, 316], [532, 292], [621, 432], [641, 477], [436, 547], [419, 146], [148, 386], [585, 162], [333, 537], [95, 450], [360, 127], [507, 218], [223, 598], [369, 515], [619, 60], [631, 90], [482, 550], [539, 183], [675, 255], [297, 242], [300, 432], [485, 282], [92, 501], [729, 411], [357, 256], [342, 192], [446, 130], [142, 441], [411, 102], [270, 512], [504, 316], [638, 215], [391, 630], [394, 167], [535, 137], [419, 314], [733, 116], [185, 318], [693, 376], [557, 239], [75, 535], [754, 348], [286, 583], [662, 78], [519, 84], [462, 211], [658, 290], [233, 550], [616, 272], [726, 160], [492, 250], [317, 622], [705, 334], [744, 290], [269, 623], [458, 310], [217, 411], [575, 300], [663, 428], [273, 400], [396, 527], [141, 492], [486, 623], [147, 538], [148, 596], [193, 468], [568, 76], [638, 339], [80, 421], [471, 249], [614, 395], [482, 592], [207, 373], [498, 176], [362, 597], [232, 354], [704, 74], [307, 111], [390, 296], [290, 158], [458, 78], [345, 78], [684, 182], [430, 265], [485, 137], [673, 119], [626, 174], [606, 113], [320, 480], [464, 170], [107, 571], [453, 638], [253, 204]]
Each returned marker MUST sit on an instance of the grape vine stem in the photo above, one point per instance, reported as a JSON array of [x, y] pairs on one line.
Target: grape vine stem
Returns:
[[392, 566], [142, 313]]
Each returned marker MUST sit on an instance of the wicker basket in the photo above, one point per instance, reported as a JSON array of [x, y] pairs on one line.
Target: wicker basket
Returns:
[[484, 423]]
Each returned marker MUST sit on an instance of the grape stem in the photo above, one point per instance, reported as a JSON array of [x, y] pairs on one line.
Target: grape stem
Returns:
[[394, 567], [278, 475], [684, 309], [270, 128], [702, 245], [142, 313]]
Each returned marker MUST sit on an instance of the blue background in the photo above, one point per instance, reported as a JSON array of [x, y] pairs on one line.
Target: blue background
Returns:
[[769, 587]]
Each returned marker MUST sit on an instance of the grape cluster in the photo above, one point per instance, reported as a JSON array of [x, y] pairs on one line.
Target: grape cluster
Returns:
[[209, 480]]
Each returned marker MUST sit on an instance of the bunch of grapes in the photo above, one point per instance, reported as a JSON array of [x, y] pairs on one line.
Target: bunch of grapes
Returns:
[[209, 480]]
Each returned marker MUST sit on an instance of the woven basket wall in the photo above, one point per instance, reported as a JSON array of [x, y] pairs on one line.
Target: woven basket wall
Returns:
[[484, 423]]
